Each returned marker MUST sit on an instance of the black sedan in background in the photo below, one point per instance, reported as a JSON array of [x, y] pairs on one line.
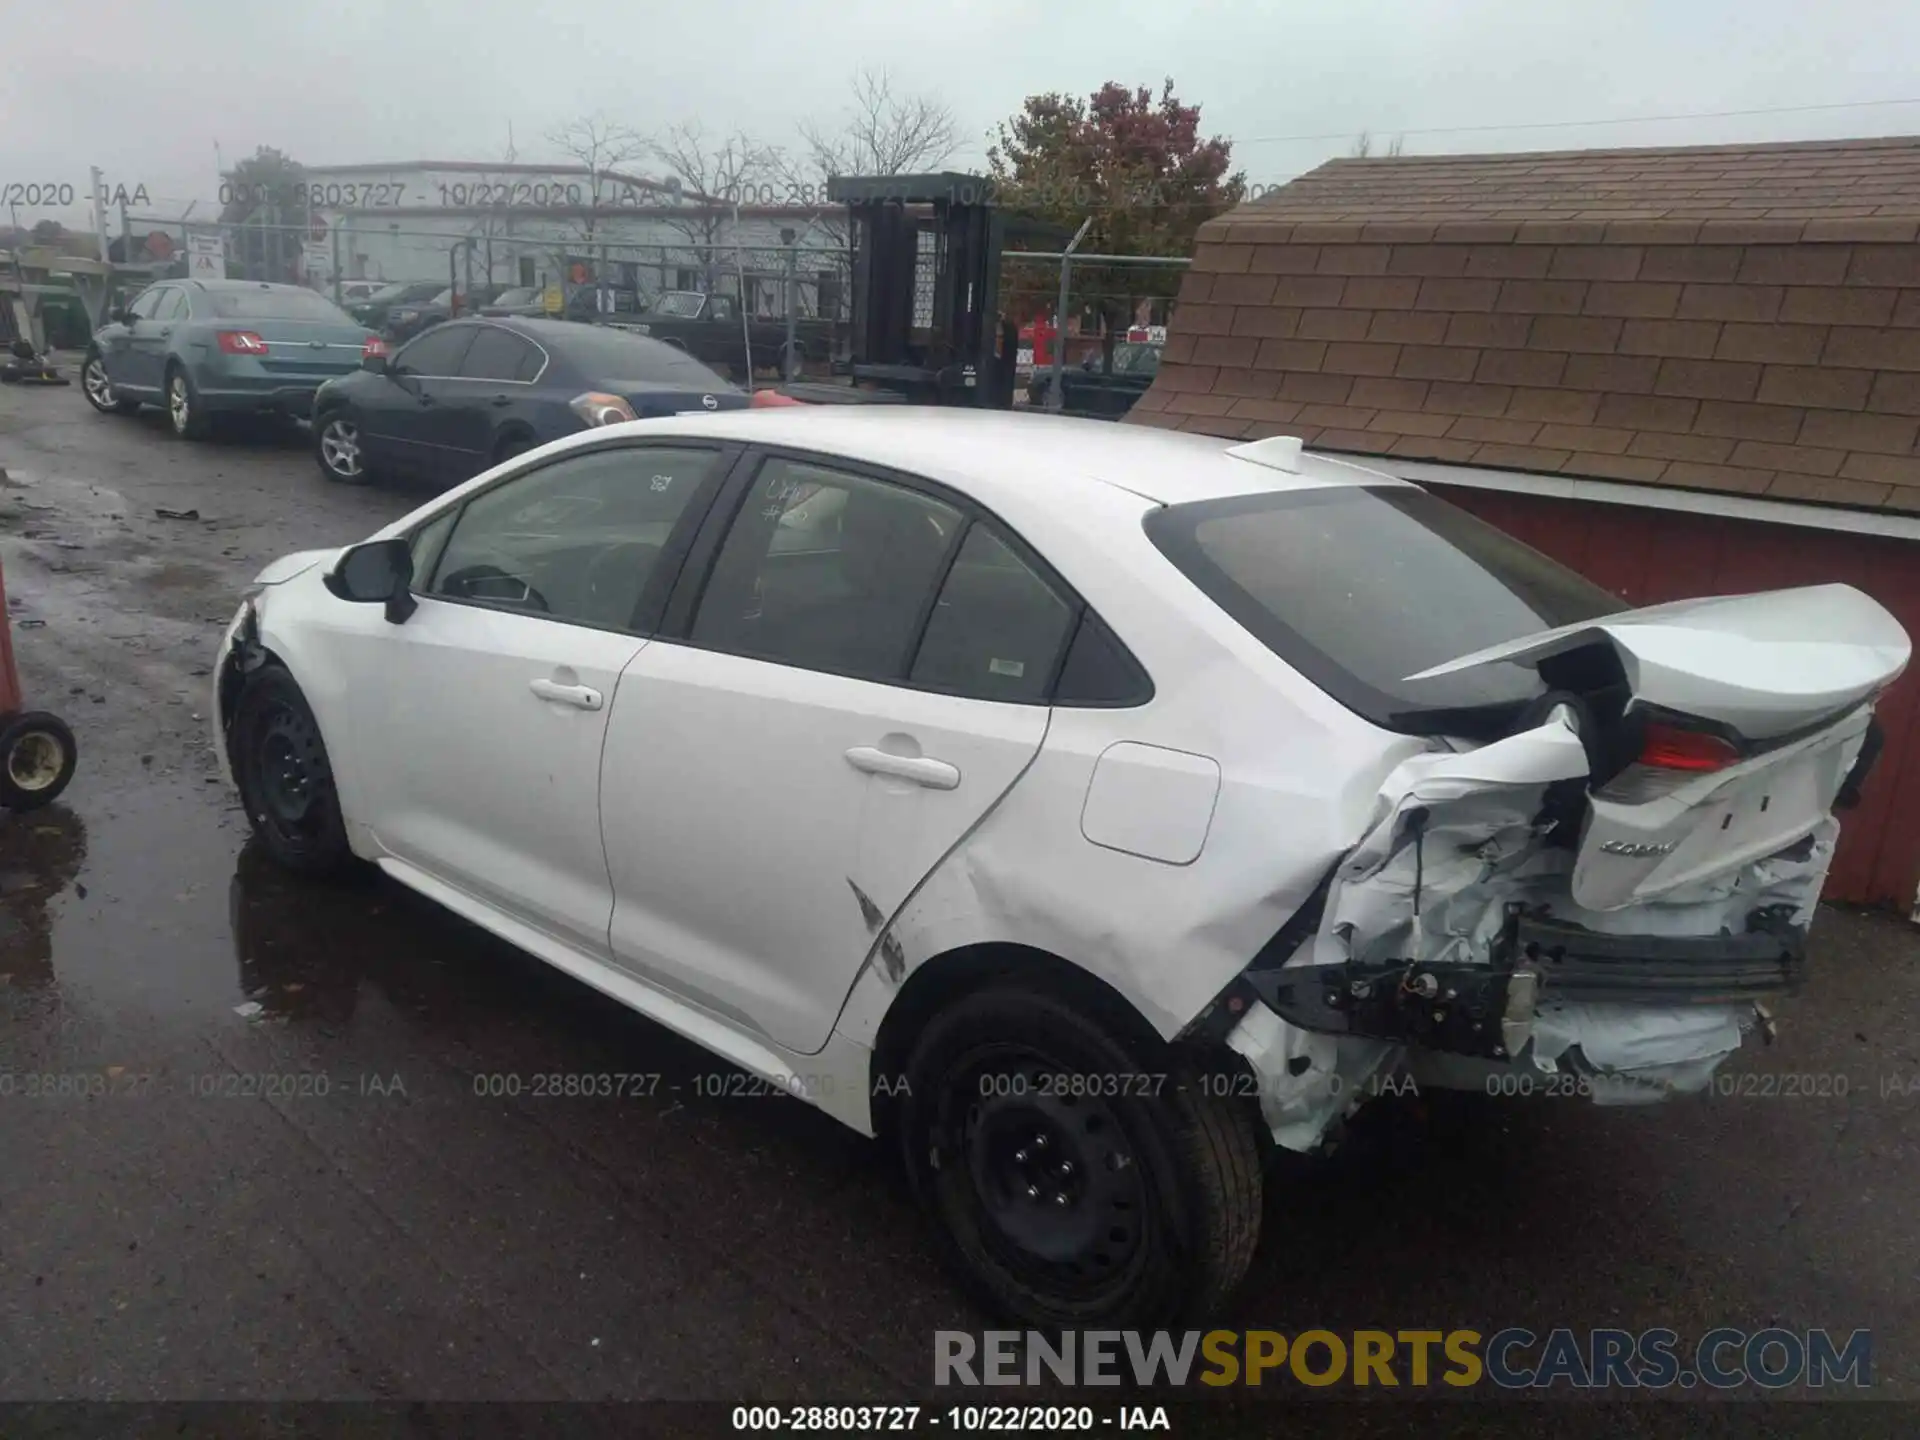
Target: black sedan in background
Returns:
[[373, 311], [469, 393], [1092, 390]]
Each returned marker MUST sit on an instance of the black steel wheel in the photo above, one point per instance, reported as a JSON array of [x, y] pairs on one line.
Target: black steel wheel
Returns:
[[286, 780], [1077, 1176]]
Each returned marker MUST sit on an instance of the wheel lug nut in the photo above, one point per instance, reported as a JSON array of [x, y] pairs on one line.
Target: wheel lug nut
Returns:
[[1066, 1167], [1060, 1198], [1040, 1141], [1033, 1192], [1019, 1157]]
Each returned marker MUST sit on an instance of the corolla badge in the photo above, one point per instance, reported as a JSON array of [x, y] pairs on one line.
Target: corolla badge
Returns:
[[709, 402], [1634, 849]]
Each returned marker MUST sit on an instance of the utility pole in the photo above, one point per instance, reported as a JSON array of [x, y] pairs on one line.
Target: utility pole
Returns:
[[126, 234], [100, 229]]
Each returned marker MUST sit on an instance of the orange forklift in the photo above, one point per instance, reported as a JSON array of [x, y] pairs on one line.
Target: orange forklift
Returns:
[[37, 753]]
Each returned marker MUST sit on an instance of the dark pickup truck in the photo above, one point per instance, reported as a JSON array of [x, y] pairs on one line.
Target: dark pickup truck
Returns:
[[708, 328]]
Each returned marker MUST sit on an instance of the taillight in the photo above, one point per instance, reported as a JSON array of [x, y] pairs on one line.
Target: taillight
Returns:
[[374, 346], [1669, 747], [241, 342], [597, 408], [766, 399]]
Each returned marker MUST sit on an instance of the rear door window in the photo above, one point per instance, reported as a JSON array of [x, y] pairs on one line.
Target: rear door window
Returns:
[[997, 629], [826, 570], [439, 352], [1359, 588], [499, 354]]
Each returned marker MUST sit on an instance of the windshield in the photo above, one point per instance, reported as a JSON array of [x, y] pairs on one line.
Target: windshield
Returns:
[[1132, 359], [615, 360], [1358, 588], [445, 297], [387, 292], [285, 304], [681, 304], [517, 297]]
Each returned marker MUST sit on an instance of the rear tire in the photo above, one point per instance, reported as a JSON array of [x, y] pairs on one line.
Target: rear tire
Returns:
[[1132, 1203], [98, 387], [285, 777], [510, 446], [37, 759], [184, 408]]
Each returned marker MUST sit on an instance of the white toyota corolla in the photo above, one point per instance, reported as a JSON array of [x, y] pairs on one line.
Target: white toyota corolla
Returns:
[[1084, 808]]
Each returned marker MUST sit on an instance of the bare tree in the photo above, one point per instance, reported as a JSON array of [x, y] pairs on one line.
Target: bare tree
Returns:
[[714, 175], [881, 132], [1363, 145], [601, 145]]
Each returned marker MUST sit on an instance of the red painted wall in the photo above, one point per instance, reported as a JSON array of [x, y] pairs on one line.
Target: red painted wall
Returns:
[[1649, 556]]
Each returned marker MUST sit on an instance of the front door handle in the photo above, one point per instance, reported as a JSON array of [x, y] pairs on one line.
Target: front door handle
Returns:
[[501, 400], [921, 770], [580, 697]]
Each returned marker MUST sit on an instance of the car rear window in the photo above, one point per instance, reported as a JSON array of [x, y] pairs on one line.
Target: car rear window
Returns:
[[275, 305], [1360, 587]]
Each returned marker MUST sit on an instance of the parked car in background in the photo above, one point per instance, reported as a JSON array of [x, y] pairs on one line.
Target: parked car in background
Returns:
[[470, 393], [708, 328], [526, 301], [353, 292], [1088, 810], [205, 348], [409, 318], [374, 310], [1092, 390]]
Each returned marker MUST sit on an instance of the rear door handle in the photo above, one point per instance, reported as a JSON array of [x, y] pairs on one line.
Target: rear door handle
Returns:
[[580, 697], [501, 400], [921, 770]]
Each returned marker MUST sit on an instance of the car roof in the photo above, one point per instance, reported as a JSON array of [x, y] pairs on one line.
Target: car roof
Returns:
[[995, 455], [244, 285]]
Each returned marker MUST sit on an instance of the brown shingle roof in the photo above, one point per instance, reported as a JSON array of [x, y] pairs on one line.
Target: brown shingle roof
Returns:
[[1611, 195], [1527, 322]]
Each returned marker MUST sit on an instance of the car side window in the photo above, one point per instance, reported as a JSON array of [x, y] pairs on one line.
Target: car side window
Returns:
[[438, 352], [826, 570], [143, 305], [172, 306], [1100, 672], [577, 540], [997, 630], [498, 354]]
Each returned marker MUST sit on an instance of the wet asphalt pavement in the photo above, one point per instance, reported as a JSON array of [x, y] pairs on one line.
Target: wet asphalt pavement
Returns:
[[265, 1171]]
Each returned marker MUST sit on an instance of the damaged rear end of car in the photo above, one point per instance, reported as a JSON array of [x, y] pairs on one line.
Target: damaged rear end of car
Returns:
[[1602, 858]]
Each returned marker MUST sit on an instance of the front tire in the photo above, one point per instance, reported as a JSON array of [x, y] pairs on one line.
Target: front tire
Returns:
[[98, 387], [184, 407], [337, 448], [1075, 1178], [286, 779], [37, 759]]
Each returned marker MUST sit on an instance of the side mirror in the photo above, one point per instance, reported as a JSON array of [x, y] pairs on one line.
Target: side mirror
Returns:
[[378, 572], [378, 364]]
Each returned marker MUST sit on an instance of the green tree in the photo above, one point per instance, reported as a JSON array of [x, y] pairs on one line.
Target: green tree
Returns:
[[264, 199], [1136, 164]]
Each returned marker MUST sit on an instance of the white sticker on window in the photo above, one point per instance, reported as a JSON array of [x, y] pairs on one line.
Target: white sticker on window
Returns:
[[1015, 668]]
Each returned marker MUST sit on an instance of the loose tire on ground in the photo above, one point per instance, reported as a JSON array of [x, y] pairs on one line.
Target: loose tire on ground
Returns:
[[37, 759], [1155, 1217], [286, 780]]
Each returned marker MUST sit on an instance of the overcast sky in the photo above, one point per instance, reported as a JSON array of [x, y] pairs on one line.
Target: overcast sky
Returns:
[[147, 96]]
